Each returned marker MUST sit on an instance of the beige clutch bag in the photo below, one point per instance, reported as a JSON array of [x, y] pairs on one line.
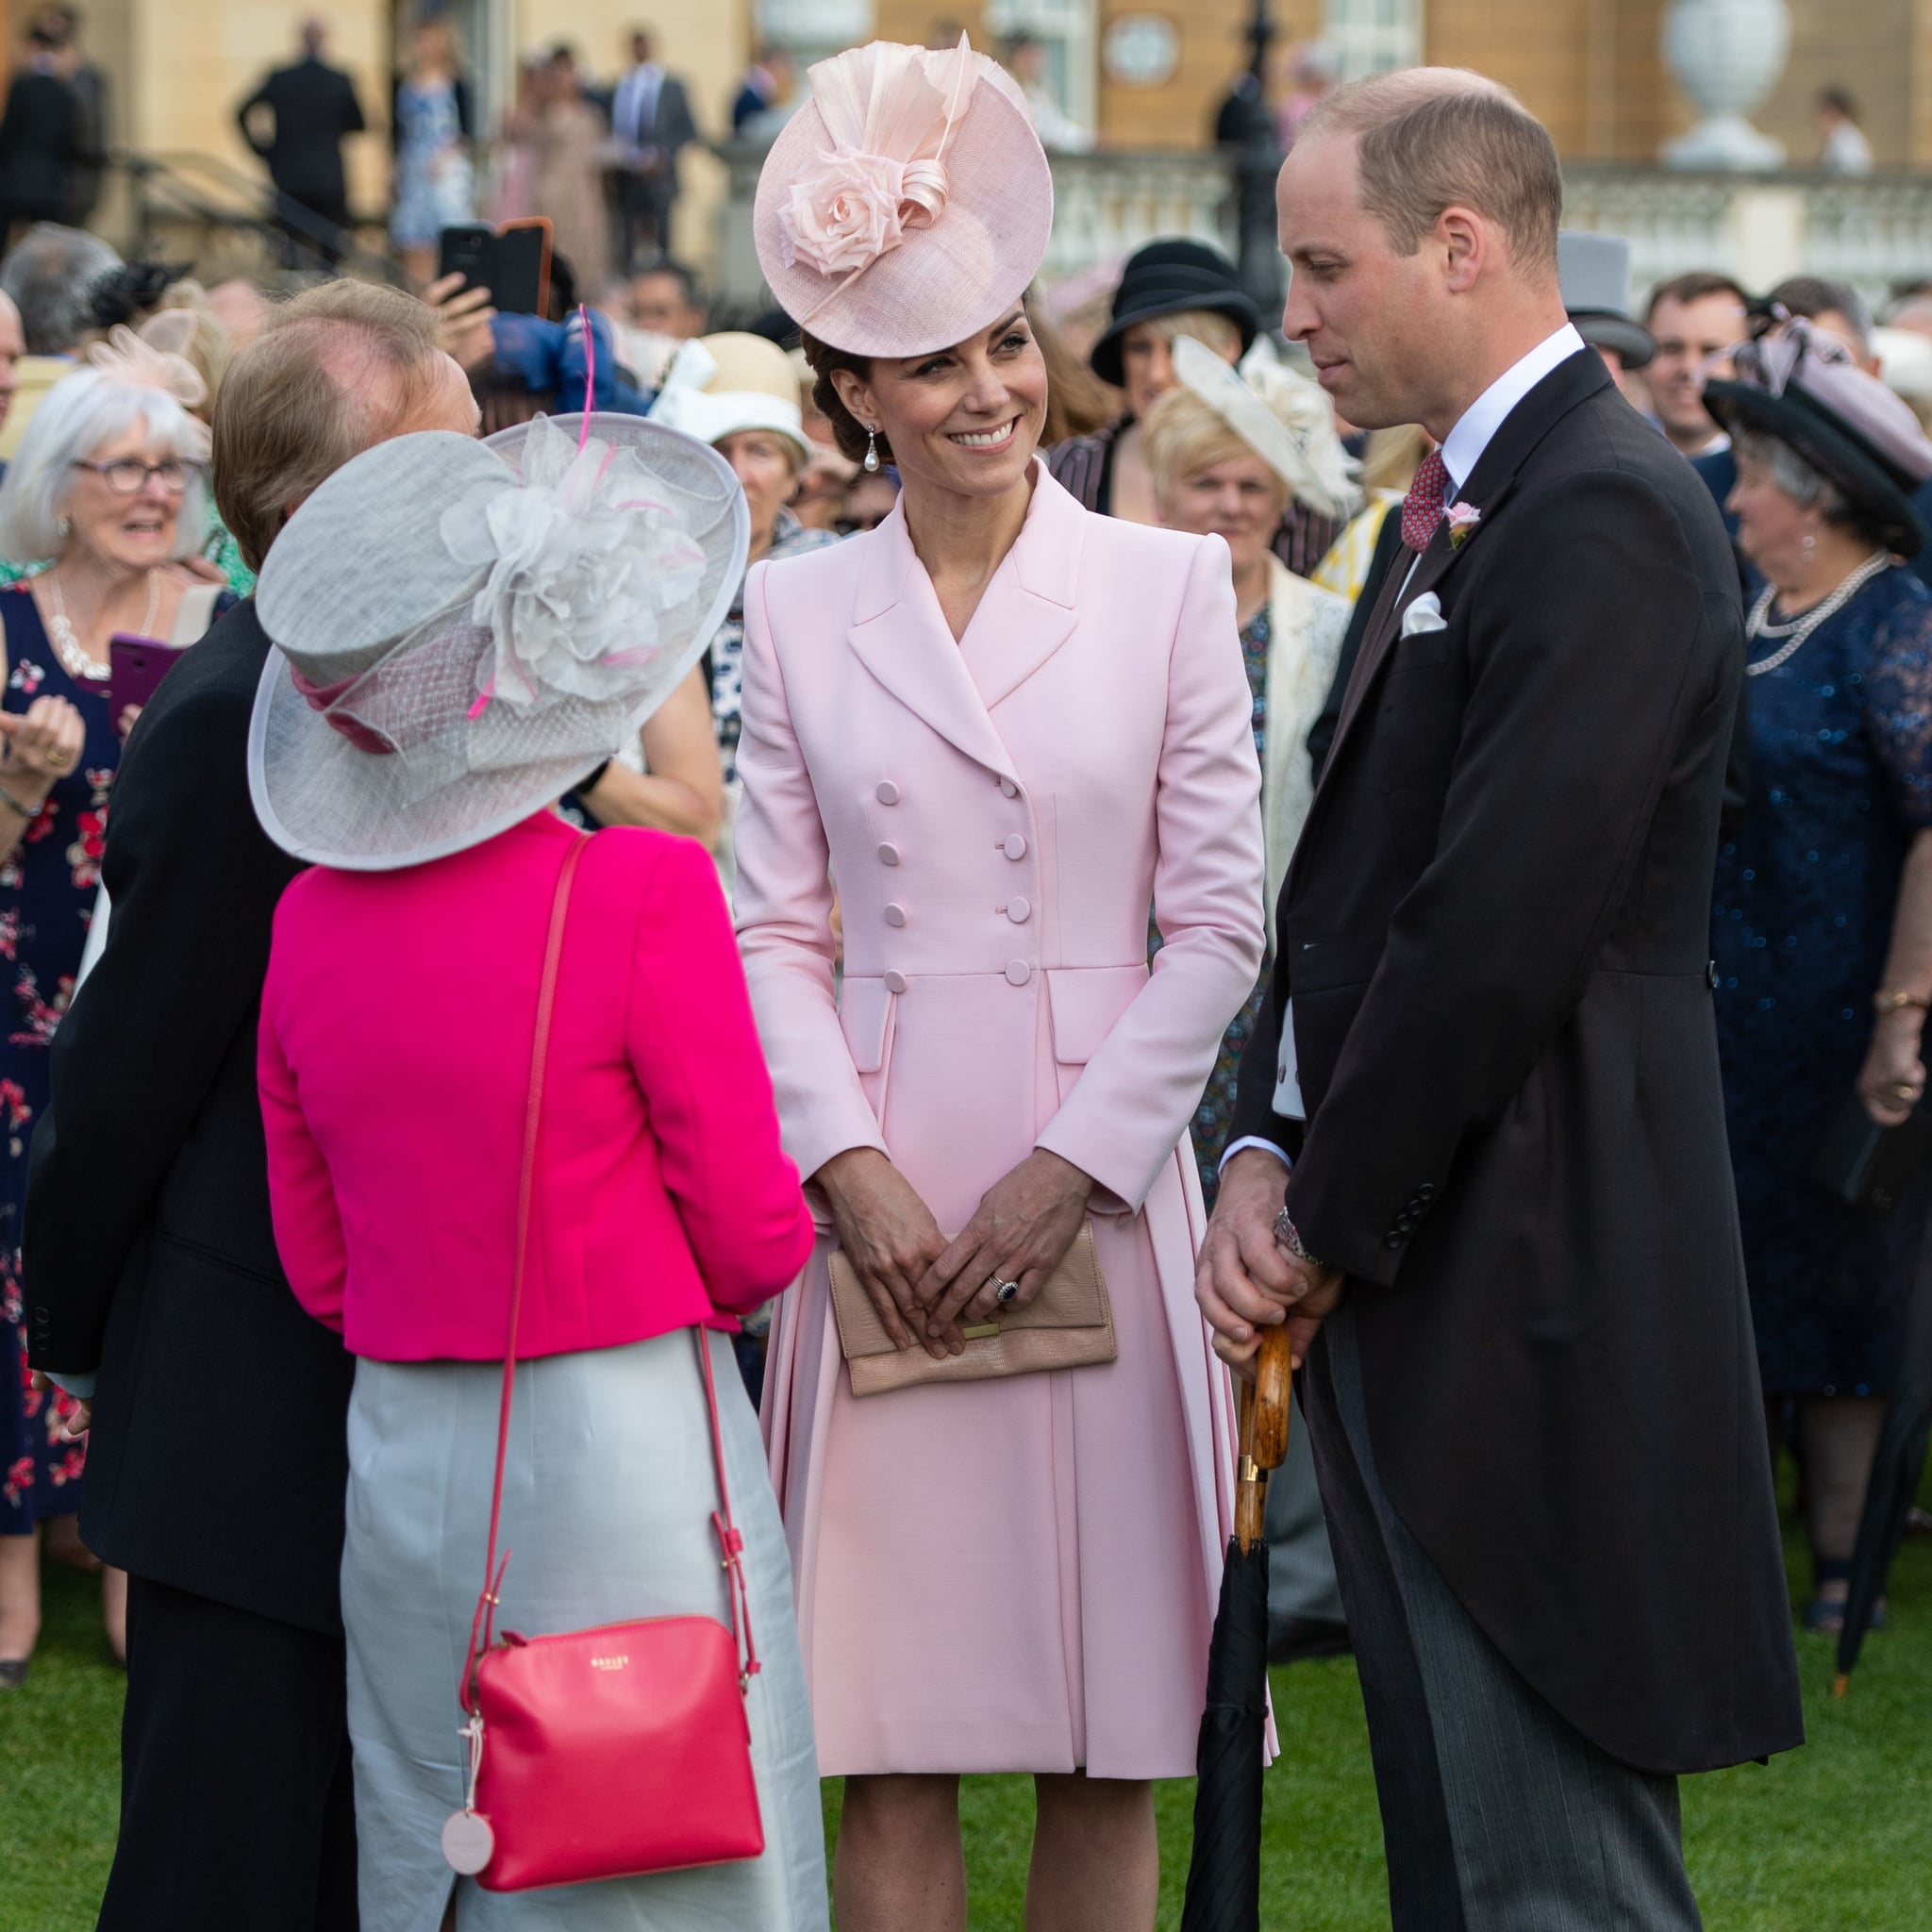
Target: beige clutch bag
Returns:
[[1068, 1324]]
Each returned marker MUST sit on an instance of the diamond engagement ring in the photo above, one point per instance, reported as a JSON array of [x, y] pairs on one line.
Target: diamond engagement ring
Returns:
[[1004, 1291]]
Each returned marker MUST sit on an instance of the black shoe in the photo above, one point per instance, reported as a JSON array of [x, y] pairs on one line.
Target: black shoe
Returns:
[[1295, 1637], [13, 1671]]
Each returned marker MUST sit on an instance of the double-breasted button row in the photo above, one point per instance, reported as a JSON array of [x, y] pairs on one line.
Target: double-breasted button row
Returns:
[[1411, 1218]]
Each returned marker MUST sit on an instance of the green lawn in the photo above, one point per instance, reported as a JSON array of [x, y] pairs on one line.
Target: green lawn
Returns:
[[1833, 1838]]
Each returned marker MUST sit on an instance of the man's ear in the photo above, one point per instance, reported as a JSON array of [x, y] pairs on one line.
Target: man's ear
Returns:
[[1464, 238]]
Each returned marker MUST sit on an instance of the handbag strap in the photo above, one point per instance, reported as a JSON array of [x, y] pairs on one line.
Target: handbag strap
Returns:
[[483, 1623]]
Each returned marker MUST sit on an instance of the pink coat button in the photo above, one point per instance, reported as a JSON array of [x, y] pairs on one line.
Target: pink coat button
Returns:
[[1013, 845], [889, 853], [895, 915], [1019, 910], [1019, 972], [895, 982], [888, 793], [1008, 788]]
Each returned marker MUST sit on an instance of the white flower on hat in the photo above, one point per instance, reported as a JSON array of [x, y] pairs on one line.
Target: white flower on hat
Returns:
[[586, 564]]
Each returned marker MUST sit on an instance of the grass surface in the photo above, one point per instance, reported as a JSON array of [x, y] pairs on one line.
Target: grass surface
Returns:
[[1835, 1837]]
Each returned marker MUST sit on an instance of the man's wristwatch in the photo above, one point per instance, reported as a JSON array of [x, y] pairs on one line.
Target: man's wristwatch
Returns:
[[1290, 1235]]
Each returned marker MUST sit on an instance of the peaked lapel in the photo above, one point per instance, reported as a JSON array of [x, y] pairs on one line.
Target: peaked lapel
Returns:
[[900, 635], [1027, 613], [1572, 381]]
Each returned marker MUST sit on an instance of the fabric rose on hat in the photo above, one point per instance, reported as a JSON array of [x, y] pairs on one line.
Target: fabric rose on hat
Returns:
[[891, 112], [845, 213], [584, 560]]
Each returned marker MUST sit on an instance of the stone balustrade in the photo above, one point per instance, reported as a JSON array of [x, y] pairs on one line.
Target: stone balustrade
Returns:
[[1875, 231]]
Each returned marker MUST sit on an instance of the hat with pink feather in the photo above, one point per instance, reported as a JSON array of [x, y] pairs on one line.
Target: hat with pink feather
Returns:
[[907, 204]]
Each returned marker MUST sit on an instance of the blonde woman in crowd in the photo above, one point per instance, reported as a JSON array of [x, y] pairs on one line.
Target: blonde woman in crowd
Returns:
[[1229, 457]]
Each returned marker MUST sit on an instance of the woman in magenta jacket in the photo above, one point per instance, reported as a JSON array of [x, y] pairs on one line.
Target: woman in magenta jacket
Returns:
[[460, 643]]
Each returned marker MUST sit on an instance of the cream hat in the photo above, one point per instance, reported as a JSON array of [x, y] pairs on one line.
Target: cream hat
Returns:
[[465, 628], [906, 206], [720, 385]]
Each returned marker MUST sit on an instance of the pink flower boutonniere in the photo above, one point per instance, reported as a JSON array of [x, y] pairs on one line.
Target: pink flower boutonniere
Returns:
[[1463, 518]]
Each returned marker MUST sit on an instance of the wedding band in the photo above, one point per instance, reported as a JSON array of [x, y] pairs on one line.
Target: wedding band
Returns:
[[1903, 1088], [58, 759], [1004, 1291]]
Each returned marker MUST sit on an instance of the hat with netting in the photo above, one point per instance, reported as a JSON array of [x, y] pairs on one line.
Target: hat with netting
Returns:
[[907, 204], [465, 629]]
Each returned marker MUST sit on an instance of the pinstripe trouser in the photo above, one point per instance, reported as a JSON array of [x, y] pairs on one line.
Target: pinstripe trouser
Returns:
[[1497, 1815]]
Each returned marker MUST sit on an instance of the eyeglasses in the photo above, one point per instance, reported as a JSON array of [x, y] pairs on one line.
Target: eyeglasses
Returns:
[[128, 475]]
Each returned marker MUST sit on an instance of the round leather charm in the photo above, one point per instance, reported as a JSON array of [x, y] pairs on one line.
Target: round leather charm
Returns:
[[468, 1842]]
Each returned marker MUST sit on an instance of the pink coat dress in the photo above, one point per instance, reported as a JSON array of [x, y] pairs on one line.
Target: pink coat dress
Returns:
[[1017, 1574]]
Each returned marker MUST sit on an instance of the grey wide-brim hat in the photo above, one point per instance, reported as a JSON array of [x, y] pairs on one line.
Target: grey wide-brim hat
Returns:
[[465, 629], [1595, 271]]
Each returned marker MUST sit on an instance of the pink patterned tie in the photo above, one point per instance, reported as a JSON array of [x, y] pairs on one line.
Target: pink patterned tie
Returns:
[[1421, 508]]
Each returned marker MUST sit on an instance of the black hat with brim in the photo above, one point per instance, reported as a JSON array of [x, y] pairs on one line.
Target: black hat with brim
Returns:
[[1877, 488], [1602, 328], [1168, 278]]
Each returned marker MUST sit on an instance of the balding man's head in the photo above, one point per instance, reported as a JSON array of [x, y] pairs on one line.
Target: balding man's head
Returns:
[[1420, 212], [337, 371], [1428, 138]]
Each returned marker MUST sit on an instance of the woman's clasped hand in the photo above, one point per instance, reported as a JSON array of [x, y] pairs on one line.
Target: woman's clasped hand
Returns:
[[924, 1287]]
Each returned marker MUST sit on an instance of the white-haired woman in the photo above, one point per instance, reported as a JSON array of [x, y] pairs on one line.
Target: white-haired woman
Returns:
[[110, 483]]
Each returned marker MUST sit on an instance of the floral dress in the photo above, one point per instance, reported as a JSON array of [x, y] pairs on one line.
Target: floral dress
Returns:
[[46, 898]]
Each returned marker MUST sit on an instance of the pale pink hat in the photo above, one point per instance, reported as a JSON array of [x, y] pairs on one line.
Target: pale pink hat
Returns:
[[907, 204]]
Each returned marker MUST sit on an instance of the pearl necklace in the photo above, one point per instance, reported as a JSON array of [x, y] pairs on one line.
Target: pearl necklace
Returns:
[[74, 660], [1797, 631]]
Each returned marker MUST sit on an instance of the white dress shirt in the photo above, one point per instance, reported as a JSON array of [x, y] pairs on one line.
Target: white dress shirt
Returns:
[[1463, 450]]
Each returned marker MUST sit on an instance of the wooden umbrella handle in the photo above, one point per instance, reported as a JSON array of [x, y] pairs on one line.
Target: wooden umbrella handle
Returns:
[[1263, 1434]]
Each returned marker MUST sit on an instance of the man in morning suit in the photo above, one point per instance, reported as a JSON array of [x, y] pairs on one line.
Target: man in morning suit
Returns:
[[310, 108], [1487, 1071], [150, 1276], [651, 122]]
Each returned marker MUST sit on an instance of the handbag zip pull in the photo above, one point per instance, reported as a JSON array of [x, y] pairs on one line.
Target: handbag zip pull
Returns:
[[468, 1842]]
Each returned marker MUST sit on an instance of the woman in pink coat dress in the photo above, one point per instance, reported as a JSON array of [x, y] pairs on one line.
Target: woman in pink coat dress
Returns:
[[1006, 727]]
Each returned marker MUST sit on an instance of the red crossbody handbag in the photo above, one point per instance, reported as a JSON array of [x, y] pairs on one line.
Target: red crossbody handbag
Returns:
[[614, 1752]]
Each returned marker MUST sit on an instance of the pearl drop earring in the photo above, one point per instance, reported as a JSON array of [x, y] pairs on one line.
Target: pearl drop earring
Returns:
[[871, 451]]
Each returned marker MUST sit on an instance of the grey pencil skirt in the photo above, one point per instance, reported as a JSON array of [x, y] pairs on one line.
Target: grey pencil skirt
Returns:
[[607, 1497]]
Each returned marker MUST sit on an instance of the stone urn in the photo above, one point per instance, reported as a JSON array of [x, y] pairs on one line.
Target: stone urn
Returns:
[[1726, 56]]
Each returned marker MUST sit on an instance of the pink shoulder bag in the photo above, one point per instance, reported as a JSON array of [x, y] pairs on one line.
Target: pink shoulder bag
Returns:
[[614, 1752]]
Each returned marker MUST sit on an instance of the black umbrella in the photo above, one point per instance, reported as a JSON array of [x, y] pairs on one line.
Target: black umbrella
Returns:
[[1224, 1872], [1895, 1472]]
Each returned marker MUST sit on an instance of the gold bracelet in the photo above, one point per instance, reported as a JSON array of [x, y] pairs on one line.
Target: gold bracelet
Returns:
[[1892, 999]]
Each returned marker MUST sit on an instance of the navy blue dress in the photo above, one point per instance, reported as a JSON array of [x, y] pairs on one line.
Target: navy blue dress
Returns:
[[46, 900], [1802, 915]]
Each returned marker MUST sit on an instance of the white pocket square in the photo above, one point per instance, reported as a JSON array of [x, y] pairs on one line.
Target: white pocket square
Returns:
[[1426, 613]]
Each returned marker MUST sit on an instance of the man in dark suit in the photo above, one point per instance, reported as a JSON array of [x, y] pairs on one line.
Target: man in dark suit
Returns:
[[310, 108], [44, 137], [150, 1276], [1487, 1071], [651, 122]]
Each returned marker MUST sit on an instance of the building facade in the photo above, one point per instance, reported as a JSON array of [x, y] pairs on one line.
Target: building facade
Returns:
[[1147, 76]]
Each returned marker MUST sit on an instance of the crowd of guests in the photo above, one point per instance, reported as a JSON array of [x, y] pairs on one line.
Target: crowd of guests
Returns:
[[167, 443]]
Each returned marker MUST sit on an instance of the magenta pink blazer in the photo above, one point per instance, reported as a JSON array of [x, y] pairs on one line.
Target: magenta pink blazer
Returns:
[[396, 1027]]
